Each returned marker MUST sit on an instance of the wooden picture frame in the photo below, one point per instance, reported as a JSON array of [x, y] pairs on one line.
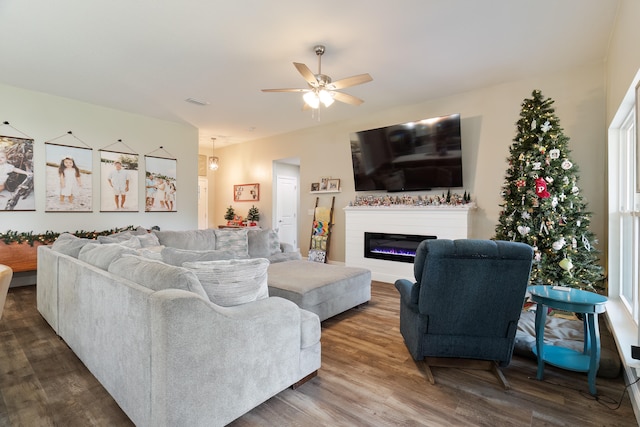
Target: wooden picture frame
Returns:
[[315, 186], [246, 192], [333, 185], [324, 183], [202, 165]]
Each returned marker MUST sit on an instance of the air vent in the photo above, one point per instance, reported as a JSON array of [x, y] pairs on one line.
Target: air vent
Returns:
[[197, 101]]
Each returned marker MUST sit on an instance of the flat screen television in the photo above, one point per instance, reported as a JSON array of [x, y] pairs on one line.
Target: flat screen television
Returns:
[[421, 155]]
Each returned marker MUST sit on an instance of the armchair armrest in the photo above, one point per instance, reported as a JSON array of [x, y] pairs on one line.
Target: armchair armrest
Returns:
[[409, 292]]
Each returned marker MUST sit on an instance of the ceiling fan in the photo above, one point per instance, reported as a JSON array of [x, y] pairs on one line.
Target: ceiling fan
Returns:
[[321, 89]]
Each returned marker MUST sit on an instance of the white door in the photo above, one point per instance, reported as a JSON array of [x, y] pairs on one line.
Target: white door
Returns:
[[203, 203], [287, 209]]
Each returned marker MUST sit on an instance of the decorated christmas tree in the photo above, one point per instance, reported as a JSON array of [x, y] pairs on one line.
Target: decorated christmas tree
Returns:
[[230, 214], [253, 214], [542, 204]]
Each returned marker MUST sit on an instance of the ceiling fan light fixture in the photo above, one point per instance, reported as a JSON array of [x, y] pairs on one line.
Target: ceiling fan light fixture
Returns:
[[326, 97], [312, 99], [321, 89]]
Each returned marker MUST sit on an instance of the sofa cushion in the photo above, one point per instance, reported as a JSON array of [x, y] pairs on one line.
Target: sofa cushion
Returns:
[[233, 240], [101, 255], [232, 282], [156, 275], [151, 252], [199, 240], [175, 256], [263, 243], [69, 244]]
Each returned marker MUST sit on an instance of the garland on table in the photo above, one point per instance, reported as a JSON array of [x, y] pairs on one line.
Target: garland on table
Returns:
[[50, 236]]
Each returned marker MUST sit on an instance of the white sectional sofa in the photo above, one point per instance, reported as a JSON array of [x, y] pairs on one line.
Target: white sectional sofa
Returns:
[[150, 333]]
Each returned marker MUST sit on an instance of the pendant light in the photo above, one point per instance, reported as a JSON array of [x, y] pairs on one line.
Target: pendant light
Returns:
[[213, 160]]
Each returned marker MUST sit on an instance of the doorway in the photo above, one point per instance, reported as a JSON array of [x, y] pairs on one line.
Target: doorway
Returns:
[[203, 203], [286, 174]]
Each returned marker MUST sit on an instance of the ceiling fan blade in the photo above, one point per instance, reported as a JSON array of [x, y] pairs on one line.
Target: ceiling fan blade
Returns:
[[346, 98], [285, 90], [350, 81], [306, 73]]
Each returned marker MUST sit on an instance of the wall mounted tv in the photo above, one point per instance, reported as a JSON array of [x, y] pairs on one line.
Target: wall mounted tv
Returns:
[[420, 155]]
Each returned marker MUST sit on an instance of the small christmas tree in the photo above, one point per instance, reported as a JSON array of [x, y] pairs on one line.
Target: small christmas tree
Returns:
[[230, 215], [542, 205], [253, 214]]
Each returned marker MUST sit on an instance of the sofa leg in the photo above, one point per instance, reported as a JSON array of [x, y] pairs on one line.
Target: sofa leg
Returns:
[[304, 380]]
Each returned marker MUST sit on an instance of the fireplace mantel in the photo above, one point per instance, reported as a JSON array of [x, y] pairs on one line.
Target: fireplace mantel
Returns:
[[445, 222]]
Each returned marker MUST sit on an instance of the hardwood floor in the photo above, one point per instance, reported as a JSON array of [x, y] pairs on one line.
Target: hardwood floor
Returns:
[[367, 379]]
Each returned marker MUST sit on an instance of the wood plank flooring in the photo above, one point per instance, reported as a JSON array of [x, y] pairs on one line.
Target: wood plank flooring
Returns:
[[367, 379]]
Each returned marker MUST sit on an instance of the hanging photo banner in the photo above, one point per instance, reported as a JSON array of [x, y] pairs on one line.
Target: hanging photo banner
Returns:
[[160, 184], [69, 178], [16, 174], [119, 187]]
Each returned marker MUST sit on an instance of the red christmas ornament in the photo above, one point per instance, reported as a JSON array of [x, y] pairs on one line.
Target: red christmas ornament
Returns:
[[541, 188], [521, 182]]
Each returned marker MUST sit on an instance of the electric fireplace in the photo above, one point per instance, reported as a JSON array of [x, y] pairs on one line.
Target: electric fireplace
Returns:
[[392, 246]]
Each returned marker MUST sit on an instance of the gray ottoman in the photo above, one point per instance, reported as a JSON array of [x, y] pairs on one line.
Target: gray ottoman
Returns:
[[324, 289]]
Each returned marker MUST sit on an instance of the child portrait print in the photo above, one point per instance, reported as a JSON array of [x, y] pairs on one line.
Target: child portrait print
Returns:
[[118, 182], [69, 178]]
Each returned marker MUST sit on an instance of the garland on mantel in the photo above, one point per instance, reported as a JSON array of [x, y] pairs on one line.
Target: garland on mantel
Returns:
[[450, 199], [50, 236]]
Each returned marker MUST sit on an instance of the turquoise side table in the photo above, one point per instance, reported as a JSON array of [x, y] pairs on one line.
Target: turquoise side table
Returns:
[[578, 301]]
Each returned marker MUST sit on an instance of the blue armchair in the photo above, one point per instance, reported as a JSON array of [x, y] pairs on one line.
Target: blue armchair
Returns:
[[466, 303]]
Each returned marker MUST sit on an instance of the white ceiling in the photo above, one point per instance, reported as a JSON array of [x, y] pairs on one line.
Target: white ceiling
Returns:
[[148, 56]]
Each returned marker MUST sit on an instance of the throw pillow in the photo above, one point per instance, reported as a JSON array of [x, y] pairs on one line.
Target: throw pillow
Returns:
[[148, 240], [69, 244], [199, 240], [175, 256], [232, 282], [262, 243], [156, 275], [101, 255], [115, 238], [233, 240], [132, 242]]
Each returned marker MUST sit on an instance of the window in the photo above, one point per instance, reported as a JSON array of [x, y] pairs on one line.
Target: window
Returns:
[[627, 249], [623, 308]]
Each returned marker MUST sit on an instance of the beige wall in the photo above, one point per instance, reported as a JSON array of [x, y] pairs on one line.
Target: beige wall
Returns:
[[44, 117], [488, 127], [623, 61]]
